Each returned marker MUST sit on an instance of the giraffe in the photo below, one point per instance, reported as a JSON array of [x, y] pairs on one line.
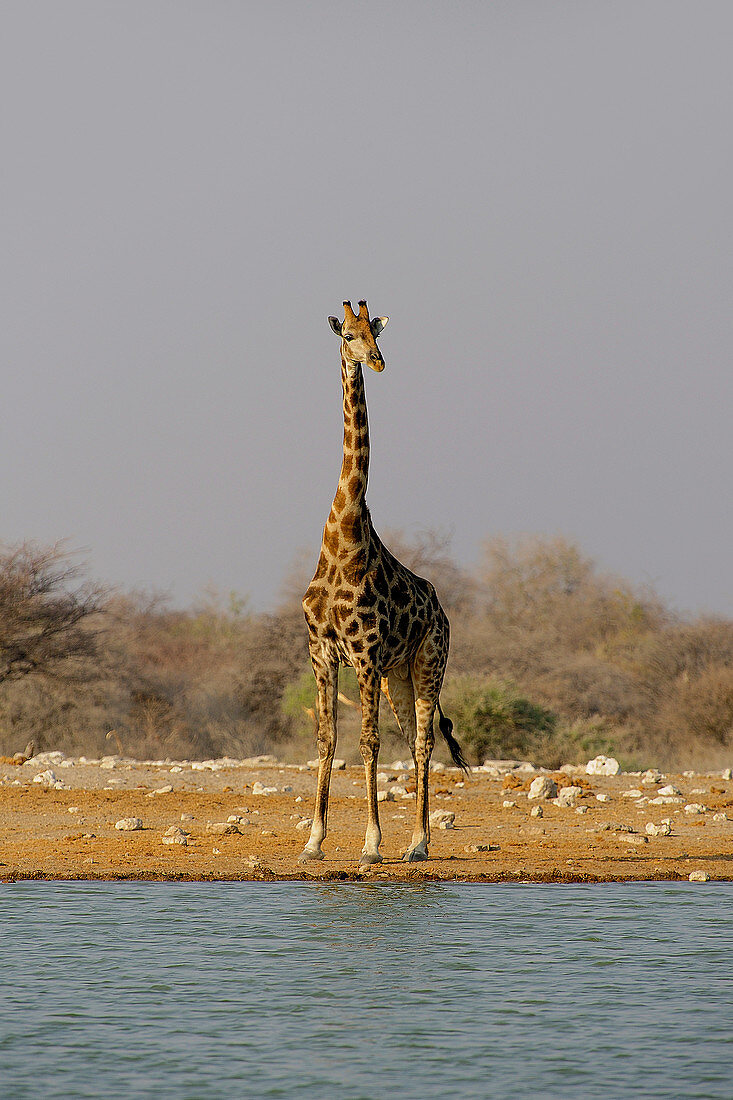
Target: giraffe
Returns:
[[366, 609]]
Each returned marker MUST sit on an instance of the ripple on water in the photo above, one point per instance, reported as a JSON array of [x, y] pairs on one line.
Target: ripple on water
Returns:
[[353, 990]]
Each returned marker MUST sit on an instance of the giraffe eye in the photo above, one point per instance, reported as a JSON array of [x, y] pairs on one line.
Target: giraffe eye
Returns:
[[347, 337]]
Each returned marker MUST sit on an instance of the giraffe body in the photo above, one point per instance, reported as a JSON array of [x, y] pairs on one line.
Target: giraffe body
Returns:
[[364, 608]]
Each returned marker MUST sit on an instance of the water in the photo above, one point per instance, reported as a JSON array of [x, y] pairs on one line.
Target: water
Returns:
[[230, 990]]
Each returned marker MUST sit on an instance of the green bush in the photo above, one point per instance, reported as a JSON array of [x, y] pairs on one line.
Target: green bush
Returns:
[[492, 719]]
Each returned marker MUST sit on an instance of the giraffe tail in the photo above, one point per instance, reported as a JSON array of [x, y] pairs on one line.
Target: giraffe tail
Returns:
[[456, 752]]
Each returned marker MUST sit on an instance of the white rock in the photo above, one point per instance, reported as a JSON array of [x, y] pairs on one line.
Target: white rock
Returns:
[[727, 773], [40, 758], [665, 800], [632, 838], [581, 809], [633, 793], [175, 769], [695, 808], [404, 765], [568, 796], [536, 811], [720, 817], [238, 819], [385, 796], [397, 790], [339, 765], [226, 828], [542, 787], [175, 835], [658, 830], [129, 824], [437, 767], [603, 797], [698, 876], [651, 775], [669, 790], [508, 804], [160, 790], [442, 819], [75, 810], [304, 823], [47, 778], [259, 788], [602, 765]]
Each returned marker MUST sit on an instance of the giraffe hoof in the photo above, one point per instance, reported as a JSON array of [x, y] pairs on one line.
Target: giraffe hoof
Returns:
[[309, 853], [368, 859], [416, 855]]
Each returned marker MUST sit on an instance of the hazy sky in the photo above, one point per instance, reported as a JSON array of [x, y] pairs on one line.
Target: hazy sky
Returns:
[[539, 194]]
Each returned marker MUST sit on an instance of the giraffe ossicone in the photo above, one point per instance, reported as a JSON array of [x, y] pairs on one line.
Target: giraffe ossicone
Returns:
[[366, 609]]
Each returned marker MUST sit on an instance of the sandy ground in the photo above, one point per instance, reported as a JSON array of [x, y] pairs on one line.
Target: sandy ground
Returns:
[[63, 827]]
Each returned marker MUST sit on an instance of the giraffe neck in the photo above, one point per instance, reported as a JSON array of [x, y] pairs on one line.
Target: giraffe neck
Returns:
[[349, 508]]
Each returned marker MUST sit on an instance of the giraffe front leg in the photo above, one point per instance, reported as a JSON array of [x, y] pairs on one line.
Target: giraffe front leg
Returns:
[[424, 742], [369, 748], [327, 682]]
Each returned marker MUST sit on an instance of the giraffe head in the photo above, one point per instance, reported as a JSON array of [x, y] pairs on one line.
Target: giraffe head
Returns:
[[359, 336]]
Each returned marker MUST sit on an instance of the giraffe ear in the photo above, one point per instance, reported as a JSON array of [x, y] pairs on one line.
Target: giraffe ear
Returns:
[[335, 325], [378, 324]]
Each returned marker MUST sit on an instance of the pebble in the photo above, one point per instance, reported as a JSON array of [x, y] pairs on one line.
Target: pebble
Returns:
[[602, 765], [508, 804], [385, 796], [727, 773], [663, 829], [568, 796], [542, 787], [695, 808], [669, 790], [603, 797], [720, 817], [259, 788], [664, 800], [651, 775], [581, 809], [226, 828], [698, 876], [443, 819], [175, 835], [633, 793], [73, 809], [160, 790], [48, 779], [633, 838], [536, 811], [481, 848], [238, 819], [129, 824]]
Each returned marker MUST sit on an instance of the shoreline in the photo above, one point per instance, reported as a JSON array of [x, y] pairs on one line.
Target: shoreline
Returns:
[[114, 819]]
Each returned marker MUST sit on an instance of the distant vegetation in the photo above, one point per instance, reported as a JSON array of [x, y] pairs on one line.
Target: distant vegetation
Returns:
[[551, 660]]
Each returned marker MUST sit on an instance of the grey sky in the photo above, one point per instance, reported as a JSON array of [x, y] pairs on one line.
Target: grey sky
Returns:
[[538, 194]]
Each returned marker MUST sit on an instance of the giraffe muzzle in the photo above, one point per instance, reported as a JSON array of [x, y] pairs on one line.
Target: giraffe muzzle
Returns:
[[376, 363]]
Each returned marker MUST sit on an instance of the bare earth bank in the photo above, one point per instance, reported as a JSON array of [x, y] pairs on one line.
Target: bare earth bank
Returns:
[[231, 820]]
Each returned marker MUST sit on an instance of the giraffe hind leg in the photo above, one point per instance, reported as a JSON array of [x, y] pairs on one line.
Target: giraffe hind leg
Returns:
[[401, 694]]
